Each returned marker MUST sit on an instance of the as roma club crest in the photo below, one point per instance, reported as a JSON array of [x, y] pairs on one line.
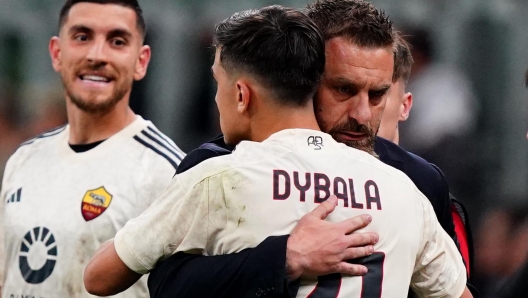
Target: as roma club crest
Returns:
[[95, 202]]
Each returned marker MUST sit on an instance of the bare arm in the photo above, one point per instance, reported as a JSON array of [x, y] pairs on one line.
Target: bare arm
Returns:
[[144, 240], [106, 274]]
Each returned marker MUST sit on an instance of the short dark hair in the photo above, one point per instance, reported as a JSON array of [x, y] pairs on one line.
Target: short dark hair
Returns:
[[279, 46], [132, 4], [356, 20], [403, 59]]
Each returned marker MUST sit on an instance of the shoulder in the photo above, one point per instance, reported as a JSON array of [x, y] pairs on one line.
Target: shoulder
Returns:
[[215, 147], [152, 148], [41, 139], [427, 177], [34, 148], [37, 144], [212, 160], [211, 170], [422, 173]]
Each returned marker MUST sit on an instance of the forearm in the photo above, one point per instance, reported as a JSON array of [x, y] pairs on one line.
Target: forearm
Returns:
[[106, 274], [244, 274], [315, 247]]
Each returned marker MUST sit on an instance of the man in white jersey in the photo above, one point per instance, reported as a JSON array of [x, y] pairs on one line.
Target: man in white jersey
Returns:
[[69, 190], [267, 65]]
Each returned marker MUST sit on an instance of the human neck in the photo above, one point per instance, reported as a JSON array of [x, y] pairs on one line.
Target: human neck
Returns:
[[87, 128], [273, 119], [396, 137]]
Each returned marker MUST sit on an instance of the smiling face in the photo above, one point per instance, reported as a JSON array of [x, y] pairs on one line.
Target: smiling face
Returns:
[[99, 54], [352, 95]]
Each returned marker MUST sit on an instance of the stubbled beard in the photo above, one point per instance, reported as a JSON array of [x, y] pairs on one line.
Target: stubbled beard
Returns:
[[95, 107], [366, 144]]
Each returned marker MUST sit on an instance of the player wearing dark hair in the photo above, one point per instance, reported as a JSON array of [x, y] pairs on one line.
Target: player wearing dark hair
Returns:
[[352, 94], [238, 274], [132, 4], [67, 191], [267, 65]]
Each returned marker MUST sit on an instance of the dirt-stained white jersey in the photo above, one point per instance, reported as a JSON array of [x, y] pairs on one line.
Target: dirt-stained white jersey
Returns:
[[59, 205], [233, 202]]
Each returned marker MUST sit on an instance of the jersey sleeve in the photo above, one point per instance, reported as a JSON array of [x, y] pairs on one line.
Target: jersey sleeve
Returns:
[[179, 216], [439, 270], [244, 274]]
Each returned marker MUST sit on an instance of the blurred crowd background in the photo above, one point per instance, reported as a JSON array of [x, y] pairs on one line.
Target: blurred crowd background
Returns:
[[469, 114]]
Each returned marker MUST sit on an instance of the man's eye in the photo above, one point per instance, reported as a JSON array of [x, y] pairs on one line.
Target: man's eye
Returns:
[[118, 42], [343, 89], [377, 94], [81, 37]]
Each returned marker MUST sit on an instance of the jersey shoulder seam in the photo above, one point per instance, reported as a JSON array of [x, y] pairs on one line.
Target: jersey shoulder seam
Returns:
[[48, 134], [153, 140]]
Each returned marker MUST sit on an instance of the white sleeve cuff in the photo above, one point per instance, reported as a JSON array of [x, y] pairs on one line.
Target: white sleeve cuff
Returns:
[[127, 256]]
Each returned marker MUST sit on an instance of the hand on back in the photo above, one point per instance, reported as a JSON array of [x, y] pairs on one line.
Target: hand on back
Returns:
[[317, 247]]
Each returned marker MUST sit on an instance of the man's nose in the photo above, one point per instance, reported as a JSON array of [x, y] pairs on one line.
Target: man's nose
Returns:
[[97, 52], [360, 109]]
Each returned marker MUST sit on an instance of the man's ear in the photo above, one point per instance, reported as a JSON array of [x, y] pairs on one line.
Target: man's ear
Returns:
[[142, 63], [55, 53], [406, 105], [244, 96]]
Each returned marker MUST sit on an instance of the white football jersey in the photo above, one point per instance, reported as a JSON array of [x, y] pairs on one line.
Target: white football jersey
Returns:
[[60, 206], [233, 202]]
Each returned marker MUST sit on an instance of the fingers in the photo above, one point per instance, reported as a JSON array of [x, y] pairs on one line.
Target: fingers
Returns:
[[355, 223], [325, 208], [351, 269], [360, 245], [361, 239], [357, 252]]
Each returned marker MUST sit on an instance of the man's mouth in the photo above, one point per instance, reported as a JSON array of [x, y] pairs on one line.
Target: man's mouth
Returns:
[[352, 136], [94, 78]]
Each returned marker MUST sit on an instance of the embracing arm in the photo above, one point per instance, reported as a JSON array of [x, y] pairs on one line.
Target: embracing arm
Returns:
[[106, 262], [315, 247], [249, 271], [149, 238]]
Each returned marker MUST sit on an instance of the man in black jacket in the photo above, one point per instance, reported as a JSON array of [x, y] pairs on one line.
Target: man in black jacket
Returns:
[[349, 107]]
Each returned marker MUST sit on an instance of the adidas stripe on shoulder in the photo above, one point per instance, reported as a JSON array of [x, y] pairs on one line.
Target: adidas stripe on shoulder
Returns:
[[161, 145]]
